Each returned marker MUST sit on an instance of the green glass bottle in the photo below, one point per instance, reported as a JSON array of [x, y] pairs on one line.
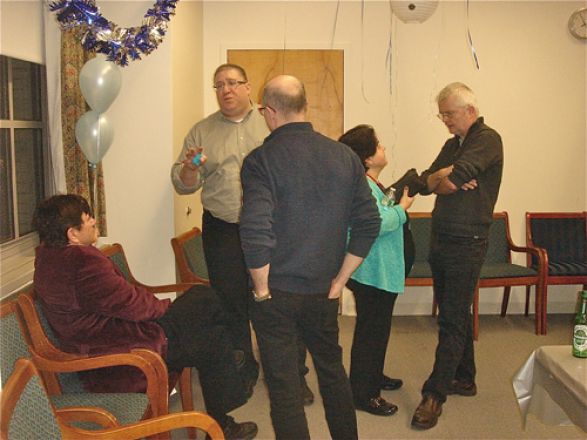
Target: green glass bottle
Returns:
[[580, 329]]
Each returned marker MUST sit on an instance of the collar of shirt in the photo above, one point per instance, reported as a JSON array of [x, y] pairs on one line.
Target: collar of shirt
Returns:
[[247, 116]]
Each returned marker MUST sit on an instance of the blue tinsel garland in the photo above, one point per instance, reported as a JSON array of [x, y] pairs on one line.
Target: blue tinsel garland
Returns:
[[102, 36]]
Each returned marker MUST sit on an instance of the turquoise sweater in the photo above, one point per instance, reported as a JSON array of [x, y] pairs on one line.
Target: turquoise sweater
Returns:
[[383, 267]]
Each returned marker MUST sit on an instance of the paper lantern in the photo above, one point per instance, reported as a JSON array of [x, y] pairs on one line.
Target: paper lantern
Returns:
[[414, 11]]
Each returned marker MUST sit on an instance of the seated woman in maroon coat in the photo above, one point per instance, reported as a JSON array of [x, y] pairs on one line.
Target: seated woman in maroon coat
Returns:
[[93, 310]]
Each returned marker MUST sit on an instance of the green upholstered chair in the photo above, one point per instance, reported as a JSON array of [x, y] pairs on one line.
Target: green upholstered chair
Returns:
[[563, 236], [189, 257], [64, 385], [115, 253], [67, 390], [28, 413], [420, 225], [499, 271]]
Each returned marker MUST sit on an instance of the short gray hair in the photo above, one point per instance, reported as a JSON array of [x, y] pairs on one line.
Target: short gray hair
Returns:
[[461, 92]]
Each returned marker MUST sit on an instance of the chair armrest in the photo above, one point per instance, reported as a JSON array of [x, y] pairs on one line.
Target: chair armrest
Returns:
[[154, 371], [91, 414], [179, 288], [539, 253], [149, 427]]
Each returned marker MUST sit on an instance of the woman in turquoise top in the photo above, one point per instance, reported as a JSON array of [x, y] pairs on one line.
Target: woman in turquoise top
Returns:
[[377, 282]]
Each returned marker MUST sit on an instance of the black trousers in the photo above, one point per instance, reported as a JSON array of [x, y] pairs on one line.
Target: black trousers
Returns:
[[282, 321], [372, 328], [195, 326], [229, 278], [456, 263]]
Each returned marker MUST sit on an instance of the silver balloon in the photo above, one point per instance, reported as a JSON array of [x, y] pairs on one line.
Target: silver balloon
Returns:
[[94, 134], [100, 81]]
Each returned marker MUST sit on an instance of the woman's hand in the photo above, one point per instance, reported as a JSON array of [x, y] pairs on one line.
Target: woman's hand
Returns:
[[406, 201]]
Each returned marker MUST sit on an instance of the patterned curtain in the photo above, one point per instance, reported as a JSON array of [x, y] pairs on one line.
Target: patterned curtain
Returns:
[[80, 175]]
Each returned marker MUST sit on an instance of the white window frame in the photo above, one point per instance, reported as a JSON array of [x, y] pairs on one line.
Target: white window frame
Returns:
[[17, 256]]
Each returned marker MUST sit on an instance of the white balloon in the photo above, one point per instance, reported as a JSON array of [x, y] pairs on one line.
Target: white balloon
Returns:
[[100, 81], [94, 135]]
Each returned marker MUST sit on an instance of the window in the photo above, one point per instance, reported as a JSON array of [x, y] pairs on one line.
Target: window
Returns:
[[24, 163]]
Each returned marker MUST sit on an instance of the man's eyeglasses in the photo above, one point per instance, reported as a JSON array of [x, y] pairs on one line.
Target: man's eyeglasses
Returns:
[[263, 108], [229, 84], [448, 115]]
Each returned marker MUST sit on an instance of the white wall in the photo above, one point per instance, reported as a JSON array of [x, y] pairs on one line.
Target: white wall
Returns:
[[531, 88], [17, 40], [139, 197]]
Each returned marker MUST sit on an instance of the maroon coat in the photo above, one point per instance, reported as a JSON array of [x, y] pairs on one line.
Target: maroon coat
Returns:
[[94, 310]]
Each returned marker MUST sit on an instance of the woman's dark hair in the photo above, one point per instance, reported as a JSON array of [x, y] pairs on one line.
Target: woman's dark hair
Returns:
[[55, 215], [362, 140]]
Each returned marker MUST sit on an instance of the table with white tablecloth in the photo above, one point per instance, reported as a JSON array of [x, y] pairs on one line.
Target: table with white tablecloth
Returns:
[[552, 385]]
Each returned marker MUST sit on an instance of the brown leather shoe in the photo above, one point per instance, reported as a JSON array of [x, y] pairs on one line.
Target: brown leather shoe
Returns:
[[462, 388], [427, 413]]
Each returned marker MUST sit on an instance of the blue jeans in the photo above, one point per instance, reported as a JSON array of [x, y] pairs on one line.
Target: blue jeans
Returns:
[[280, 323], [456, 263]]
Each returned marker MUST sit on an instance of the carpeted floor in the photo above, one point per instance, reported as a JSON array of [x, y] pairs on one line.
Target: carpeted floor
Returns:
[[504, 345]]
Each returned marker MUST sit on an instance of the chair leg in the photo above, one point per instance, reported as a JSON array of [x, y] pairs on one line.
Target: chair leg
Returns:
[[187, 400], [476, 313], [527, 307], [505, 300], [537, 308], [543, 307], [434, 304]]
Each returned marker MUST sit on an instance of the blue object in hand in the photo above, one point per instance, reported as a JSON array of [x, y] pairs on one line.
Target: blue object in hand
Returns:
[[197, 160]]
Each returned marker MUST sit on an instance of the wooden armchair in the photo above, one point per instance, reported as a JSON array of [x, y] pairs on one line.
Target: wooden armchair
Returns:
[[115, 253], [497, 270], [189, 257], [15, 343], [563, 236], [27, 413], [66, 388]]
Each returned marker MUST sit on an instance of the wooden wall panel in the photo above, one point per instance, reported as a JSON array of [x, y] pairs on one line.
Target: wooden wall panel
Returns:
[[321, 71]]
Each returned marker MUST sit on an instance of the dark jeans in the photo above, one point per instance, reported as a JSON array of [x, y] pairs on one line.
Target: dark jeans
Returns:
[[229, 278], [195, 326], [456, 263], [280, 323], [372, 328]]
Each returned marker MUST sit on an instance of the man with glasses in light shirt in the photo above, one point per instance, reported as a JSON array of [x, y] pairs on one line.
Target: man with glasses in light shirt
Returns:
[[211, 159], [465, 177]]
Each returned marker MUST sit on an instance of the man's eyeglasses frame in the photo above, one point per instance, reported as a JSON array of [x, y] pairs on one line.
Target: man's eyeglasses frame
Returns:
[[229, 84]]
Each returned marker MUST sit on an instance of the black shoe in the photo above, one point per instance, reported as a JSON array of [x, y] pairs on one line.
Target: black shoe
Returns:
[[307, 393], [427, 413], [462, 388], [378, 406], [240, 431], [239, 359], [390, 384]]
